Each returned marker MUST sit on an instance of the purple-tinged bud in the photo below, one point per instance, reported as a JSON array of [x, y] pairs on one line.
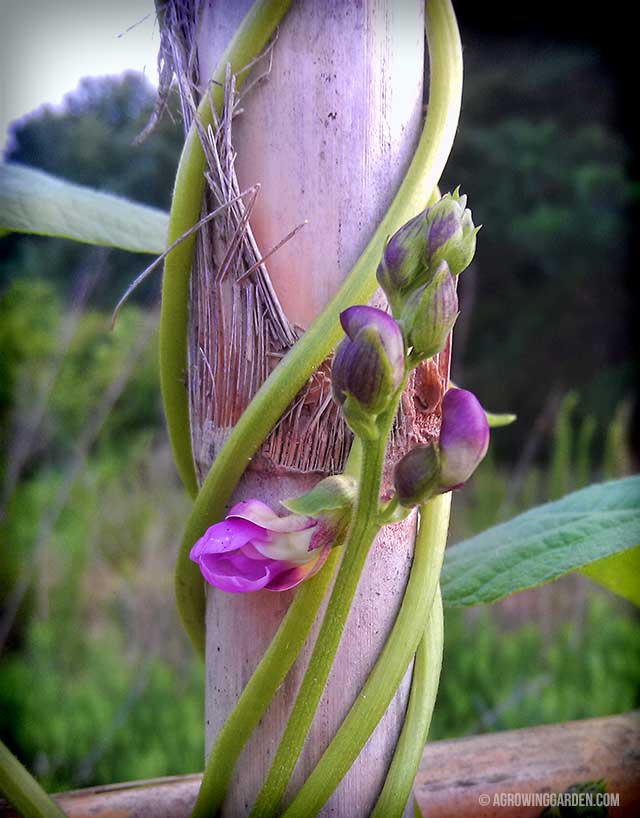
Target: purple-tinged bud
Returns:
[[443, 232], [451, 233], [464, 437], [416, 476], [404, 259], [430, 313], [368, 366], [445, 465]]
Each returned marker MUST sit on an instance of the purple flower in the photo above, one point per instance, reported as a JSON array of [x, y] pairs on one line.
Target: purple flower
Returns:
[[369, 363], [254, 548], [448, 463], [464, 437]]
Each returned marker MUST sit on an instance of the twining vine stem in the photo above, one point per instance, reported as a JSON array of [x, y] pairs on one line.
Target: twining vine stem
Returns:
[[362, 532]]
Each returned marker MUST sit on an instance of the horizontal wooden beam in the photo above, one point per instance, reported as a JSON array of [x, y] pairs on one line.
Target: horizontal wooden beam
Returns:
[[453, 775]]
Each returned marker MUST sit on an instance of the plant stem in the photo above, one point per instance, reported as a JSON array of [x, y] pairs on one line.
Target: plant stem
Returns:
[[271, 400], [363, 530], [250, 38], [390, 667], [261, 688], [267, 677], [424, 687], [23, 791]]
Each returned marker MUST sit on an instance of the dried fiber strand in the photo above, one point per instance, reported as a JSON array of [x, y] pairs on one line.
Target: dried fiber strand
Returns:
[[238, 330]]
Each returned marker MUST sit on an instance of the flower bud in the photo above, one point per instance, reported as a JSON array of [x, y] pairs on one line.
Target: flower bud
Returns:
[[445, 465], [368, 365], [442, 232], [416, 476], [404, 259], [464, 437], [430, 313], [451, 233]]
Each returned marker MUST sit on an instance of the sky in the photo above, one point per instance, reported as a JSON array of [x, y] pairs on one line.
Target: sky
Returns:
[[47, 47]]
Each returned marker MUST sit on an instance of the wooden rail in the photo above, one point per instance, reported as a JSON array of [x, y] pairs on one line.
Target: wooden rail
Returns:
[[453, 775]]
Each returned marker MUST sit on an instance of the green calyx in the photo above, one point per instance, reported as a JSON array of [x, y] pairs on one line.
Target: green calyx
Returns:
[[429, 314], [335, 493], [416, 477]]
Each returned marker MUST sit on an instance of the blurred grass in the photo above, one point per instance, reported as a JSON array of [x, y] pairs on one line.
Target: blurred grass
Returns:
[[99, 685]]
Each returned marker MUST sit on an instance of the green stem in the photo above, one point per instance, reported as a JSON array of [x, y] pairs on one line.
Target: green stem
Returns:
[[398, 784], [362, 533], [250, 38], [267, 677], [292, 373], [390, 667], [261, 688], [23, 791]]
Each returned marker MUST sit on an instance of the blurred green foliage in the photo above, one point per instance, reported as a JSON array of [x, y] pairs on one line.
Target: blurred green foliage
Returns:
[[492, 680], [80, 711], [540, 154], [92, 141], [68, 360]]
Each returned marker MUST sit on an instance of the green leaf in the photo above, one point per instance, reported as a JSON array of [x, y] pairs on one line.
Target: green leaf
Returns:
[[496, 421], [619, 573], [35, 202], [544, 543]]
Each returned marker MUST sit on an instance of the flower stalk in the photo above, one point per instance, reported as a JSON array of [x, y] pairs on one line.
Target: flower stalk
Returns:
[[390, 667]]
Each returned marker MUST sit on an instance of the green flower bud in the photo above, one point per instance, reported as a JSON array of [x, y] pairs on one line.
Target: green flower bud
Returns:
[[443, 232], [451, 233], [429, 314]]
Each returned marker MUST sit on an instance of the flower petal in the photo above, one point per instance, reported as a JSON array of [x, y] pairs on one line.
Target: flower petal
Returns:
[[261, 514], [464, 437], [235, 573], [294, 576], [293, 546], [228, 535]]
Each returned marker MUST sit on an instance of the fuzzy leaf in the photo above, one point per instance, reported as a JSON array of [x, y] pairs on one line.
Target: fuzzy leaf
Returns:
[[35, 202], [544, 543]]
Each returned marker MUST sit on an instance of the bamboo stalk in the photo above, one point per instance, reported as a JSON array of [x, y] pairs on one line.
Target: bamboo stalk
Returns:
[[328, 136], [452, 774]]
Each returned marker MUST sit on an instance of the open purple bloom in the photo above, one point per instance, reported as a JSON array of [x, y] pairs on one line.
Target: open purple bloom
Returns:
[[464, 437], [254, 548]]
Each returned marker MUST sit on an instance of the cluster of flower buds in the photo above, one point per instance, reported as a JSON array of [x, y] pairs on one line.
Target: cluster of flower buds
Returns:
[[368, 367], [443, 232], [418, 269], [448, 463]]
